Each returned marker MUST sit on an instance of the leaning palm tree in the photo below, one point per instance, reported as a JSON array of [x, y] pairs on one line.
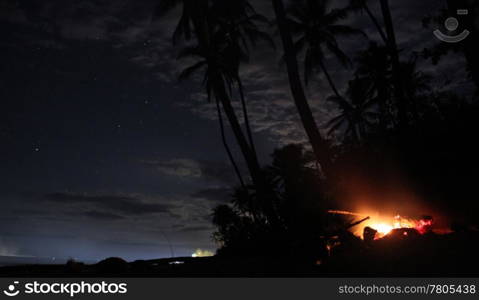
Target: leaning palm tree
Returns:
[[317, 28], [218, 63], [218, 30], [227, 147], [357, 112], [193, 17], [318, 142], [239, 23], [362, 5]]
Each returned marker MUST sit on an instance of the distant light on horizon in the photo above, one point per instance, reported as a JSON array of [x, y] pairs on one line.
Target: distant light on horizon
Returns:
[[202, 253]]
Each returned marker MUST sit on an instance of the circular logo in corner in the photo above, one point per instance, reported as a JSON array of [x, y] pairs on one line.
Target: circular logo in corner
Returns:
[[451, 24], [11, 290]]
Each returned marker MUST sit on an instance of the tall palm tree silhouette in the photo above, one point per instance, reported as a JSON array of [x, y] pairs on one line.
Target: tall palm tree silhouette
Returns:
[[415, 83], [192, 19], [218, 30], [388, 35], [374, 65], [218, 62], [227, 147], [414, 80], [362, 5], [195, 18], [239, 23], [401, 100], [357, 111], [318, 142], [317, 28]]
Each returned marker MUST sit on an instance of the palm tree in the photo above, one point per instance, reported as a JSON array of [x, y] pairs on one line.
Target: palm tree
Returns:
[[228, 222], [218, 63], [239, 23], [362, 5], [249, 223], [415, 83], [219, 29], [319, 144], [317, 29], [193, 17], [389, 38], [227, 148], [357, 112], [374, 65], [396, 65]]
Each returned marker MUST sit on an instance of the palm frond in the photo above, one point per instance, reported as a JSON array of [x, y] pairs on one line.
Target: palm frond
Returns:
[[186, 73], [166, 6], [335, 124]]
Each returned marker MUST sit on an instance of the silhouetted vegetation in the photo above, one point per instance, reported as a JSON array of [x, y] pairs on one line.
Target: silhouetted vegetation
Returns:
[[391, 117], [392, 123], [289, 222]]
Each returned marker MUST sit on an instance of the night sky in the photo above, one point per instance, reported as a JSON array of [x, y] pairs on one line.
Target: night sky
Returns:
[[104, 153]]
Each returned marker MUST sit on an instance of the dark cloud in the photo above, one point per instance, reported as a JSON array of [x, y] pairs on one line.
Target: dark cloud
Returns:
[[176, 167], [196, 228], [98, 215], [29, 212], [121, 204], [212, 171], [131, 26], [57, 212], [217, 195]]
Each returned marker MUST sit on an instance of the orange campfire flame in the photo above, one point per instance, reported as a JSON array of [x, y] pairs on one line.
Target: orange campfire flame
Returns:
[[398, 222], [384, 225]]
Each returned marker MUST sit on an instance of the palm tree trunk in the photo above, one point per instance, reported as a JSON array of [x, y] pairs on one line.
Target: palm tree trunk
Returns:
[[318, 143], [251, 161], [263, 194], [200, 22], [376, 23], [362, 130], [201, 27], [328, 77], [392, 46], [227, 148], [246, 117], [382, 103]]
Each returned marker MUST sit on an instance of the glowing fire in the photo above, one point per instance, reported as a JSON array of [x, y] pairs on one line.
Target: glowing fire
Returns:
[[382, 228], [384, 225], [398, 222]]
